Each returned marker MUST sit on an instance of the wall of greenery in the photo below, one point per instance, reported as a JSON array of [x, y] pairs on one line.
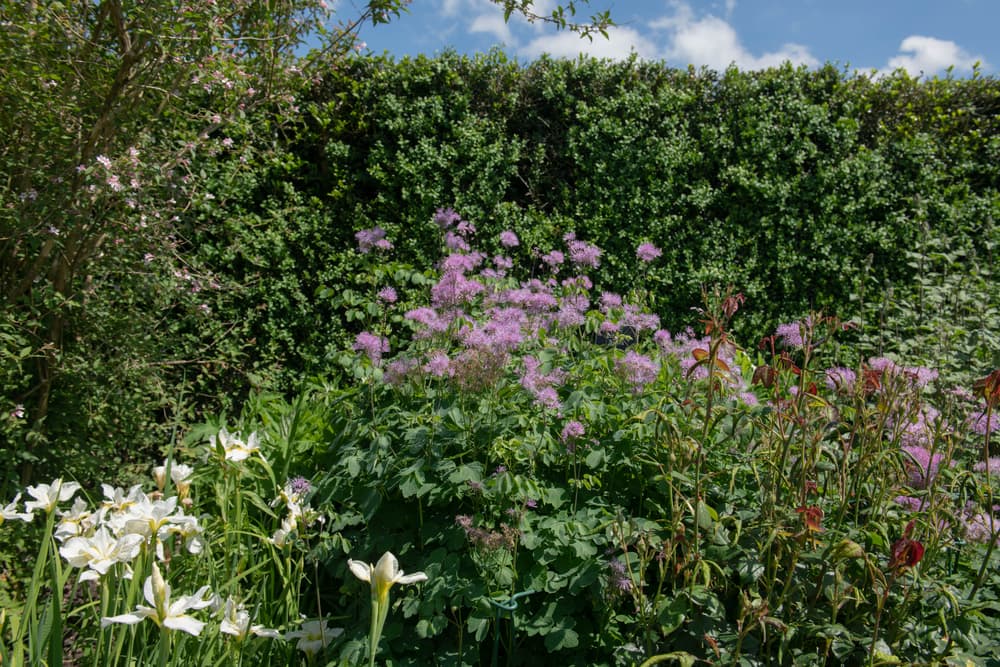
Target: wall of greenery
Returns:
[[798, 186]]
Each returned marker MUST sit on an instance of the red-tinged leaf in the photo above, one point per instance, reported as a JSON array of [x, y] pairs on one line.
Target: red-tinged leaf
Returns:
[[699, 353]]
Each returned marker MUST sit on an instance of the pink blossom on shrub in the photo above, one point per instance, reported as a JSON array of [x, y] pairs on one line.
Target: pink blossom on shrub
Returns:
[[369, 239], [445, 217], [647, 252], [508, 239], [387, 295], [977, 422], [372, 345], [922, 467], [840, 379], [637, 369], [584, 254], [609, 301]]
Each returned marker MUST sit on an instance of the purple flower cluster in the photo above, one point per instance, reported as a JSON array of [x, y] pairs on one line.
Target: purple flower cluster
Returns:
[[372, 345], [922, 467], [647, 252], [505, 538], [387, 295], [980, 426], [508, 239], [542, 385], [369, 239], [790, 334], [637, 369], [583, 254], [840, 379]]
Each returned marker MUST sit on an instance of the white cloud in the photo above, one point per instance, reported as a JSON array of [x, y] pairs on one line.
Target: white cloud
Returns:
[[492, 24], [713, 42], [929, 55], [619, 45]]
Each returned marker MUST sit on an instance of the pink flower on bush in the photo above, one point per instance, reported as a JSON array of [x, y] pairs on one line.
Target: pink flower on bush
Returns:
[[647, 252], [922, 466], [508, 239], [374, 238], [373, 346], [638, 369]]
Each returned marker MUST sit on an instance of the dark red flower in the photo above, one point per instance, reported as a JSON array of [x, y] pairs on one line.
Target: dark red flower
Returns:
[[905, 551], [812, 516]]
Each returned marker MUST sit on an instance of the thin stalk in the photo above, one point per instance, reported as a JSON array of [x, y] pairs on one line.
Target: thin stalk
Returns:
[[989, 503]]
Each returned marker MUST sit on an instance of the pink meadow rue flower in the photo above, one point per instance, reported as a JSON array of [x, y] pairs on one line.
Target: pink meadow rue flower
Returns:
[[647, 252], [922, 466], [438, 364], [637, 369], [571, 432], [456, 242], [840, 379], [453, 289], [398, 370], [554, 259], [446, 217], [503, 263], [910, 503], [373, 346], [610, 301], [374, 238], [977, 422], [790, 334], [387, 295], [920, 376], [993, 464], [584, 254], [508, 239]]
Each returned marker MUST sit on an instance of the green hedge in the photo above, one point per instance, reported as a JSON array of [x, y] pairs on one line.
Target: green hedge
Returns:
[[792, 184]]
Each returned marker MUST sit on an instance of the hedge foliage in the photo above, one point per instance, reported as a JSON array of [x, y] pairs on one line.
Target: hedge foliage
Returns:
[[795, 185]]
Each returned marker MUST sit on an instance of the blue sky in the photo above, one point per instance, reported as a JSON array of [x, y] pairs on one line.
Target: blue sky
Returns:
[[921, 36]]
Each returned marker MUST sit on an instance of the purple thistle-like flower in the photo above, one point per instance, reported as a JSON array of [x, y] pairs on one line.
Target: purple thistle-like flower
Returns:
[[369, 239], [977, 422], [300, 486], [572, 430], [372, 345], [791, 333], [584, 254], [923, 466], [446, 217], [387, 295], [610, 301], [638, 369], [508, 239], [554, 259], [841, 379], [647, 252]]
